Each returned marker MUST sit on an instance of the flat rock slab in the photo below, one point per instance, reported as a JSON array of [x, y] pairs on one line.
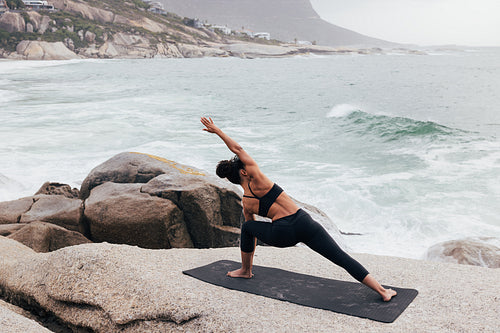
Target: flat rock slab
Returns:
[[345, 297]]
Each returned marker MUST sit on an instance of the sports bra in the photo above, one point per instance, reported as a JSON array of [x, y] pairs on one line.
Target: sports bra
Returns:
[[267, 200]]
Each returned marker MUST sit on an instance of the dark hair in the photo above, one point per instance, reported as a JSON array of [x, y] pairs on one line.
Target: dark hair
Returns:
[[230, 169]]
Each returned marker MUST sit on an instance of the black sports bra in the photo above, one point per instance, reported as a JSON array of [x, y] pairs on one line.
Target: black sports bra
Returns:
[[267, 200]]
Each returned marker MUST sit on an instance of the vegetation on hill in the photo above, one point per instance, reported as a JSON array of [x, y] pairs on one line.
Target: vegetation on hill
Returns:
[[131, 17]]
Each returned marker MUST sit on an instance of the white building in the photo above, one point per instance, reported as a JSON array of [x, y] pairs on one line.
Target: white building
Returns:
[[198, 24], [242, 32], [38, 4], [222, 28], [263, 35]]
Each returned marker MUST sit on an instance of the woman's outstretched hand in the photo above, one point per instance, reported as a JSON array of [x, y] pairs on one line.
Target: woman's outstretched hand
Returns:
[[209, 124]]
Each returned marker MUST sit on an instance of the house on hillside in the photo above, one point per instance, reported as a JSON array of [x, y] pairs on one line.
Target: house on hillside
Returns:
[[222, 28], [263, 35], [38, 5], [198, 24], [244, 32], [155, 7]]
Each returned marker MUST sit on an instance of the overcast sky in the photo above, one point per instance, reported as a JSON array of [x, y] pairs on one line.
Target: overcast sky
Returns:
[[423, 22]]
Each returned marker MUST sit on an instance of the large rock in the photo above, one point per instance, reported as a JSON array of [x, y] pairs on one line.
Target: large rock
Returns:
[[40, 22], [7, 229], [39, 50], [121, 213], [50, 188], [11, 211], [86, 11], [179, 206], [13, 322], [46, 237], [131, 168], [212, 213], [99, 287], [468, 251], [168, 50], [55, 209], [12, 22]]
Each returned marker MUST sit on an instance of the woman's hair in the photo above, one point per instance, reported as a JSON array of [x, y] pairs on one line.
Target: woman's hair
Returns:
[[230, 169]]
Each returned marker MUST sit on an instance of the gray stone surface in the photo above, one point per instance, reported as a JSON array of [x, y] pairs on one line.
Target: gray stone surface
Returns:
[[118, 288], [55, 209], [481, 251], [121, 213], [47, 237]]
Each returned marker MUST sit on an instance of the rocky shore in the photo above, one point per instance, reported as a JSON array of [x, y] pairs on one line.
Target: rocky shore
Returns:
[[80, 29], [108, 257], [121, 288]]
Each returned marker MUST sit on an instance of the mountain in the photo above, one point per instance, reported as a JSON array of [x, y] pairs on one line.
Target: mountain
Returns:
[[286, 20]]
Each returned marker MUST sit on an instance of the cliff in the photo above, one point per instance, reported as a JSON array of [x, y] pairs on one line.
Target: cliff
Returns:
[[286, 20]]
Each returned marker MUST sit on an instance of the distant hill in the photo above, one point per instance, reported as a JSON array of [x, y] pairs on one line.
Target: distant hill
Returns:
[[286, 20]]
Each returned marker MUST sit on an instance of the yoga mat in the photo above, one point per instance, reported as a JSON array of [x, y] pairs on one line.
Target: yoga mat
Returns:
[[345, 297]]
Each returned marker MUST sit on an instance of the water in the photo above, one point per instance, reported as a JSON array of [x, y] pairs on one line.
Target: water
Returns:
[[403, 149]]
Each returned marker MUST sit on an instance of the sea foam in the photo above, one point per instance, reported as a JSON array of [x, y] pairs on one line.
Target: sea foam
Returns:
[[342, 110]]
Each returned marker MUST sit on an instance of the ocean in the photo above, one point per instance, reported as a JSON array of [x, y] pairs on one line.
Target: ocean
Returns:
[[401, 151]]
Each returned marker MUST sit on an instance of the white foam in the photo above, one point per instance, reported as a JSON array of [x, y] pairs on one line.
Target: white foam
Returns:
[[342, 110]]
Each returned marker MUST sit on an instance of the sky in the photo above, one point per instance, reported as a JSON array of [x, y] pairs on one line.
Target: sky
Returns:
[[422, 22]]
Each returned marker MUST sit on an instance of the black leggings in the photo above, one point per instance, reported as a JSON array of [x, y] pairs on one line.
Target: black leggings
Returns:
[[299, 227]]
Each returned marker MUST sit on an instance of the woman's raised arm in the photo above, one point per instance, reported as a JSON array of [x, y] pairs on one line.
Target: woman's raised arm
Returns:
[[230, 143]]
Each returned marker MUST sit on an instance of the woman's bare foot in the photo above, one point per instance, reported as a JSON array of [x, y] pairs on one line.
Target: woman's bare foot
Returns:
[[388, 294], [240, 273]]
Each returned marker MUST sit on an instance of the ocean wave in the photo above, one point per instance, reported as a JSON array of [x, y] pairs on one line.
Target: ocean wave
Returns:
[[352, 119]]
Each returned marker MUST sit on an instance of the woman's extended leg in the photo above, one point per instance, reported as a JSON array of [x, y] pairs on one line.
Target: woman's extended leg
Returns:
[[318, 239]]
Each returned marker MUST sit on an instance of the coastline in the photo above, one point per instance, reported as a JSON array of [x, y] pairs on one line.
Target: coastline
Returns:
[[450, 298], [39, 50]]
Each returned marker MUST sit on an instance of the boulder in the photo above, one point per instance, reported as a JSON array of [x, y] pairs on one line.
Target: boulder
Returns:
[[90, 36], [108, 50], [11, 211], [40, 22], [58, 189], [208, 208], [100, 287], [46, 237], [190, 51], [12, 22], [195, 51], [86, 11], [56, 209], [39, 50], [132, 168], [13, 322], [168, 50], [480, 251], [121, 213], [7, 229], [212, 213]]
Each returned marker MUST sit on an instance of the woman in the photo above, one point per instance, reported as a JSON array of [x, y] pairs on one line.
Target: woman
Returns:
[[290, 224]]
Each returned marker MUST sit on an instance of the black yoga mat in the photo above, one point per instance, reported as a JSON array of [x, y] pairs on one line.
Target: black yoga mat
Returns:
[[345, 297]]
